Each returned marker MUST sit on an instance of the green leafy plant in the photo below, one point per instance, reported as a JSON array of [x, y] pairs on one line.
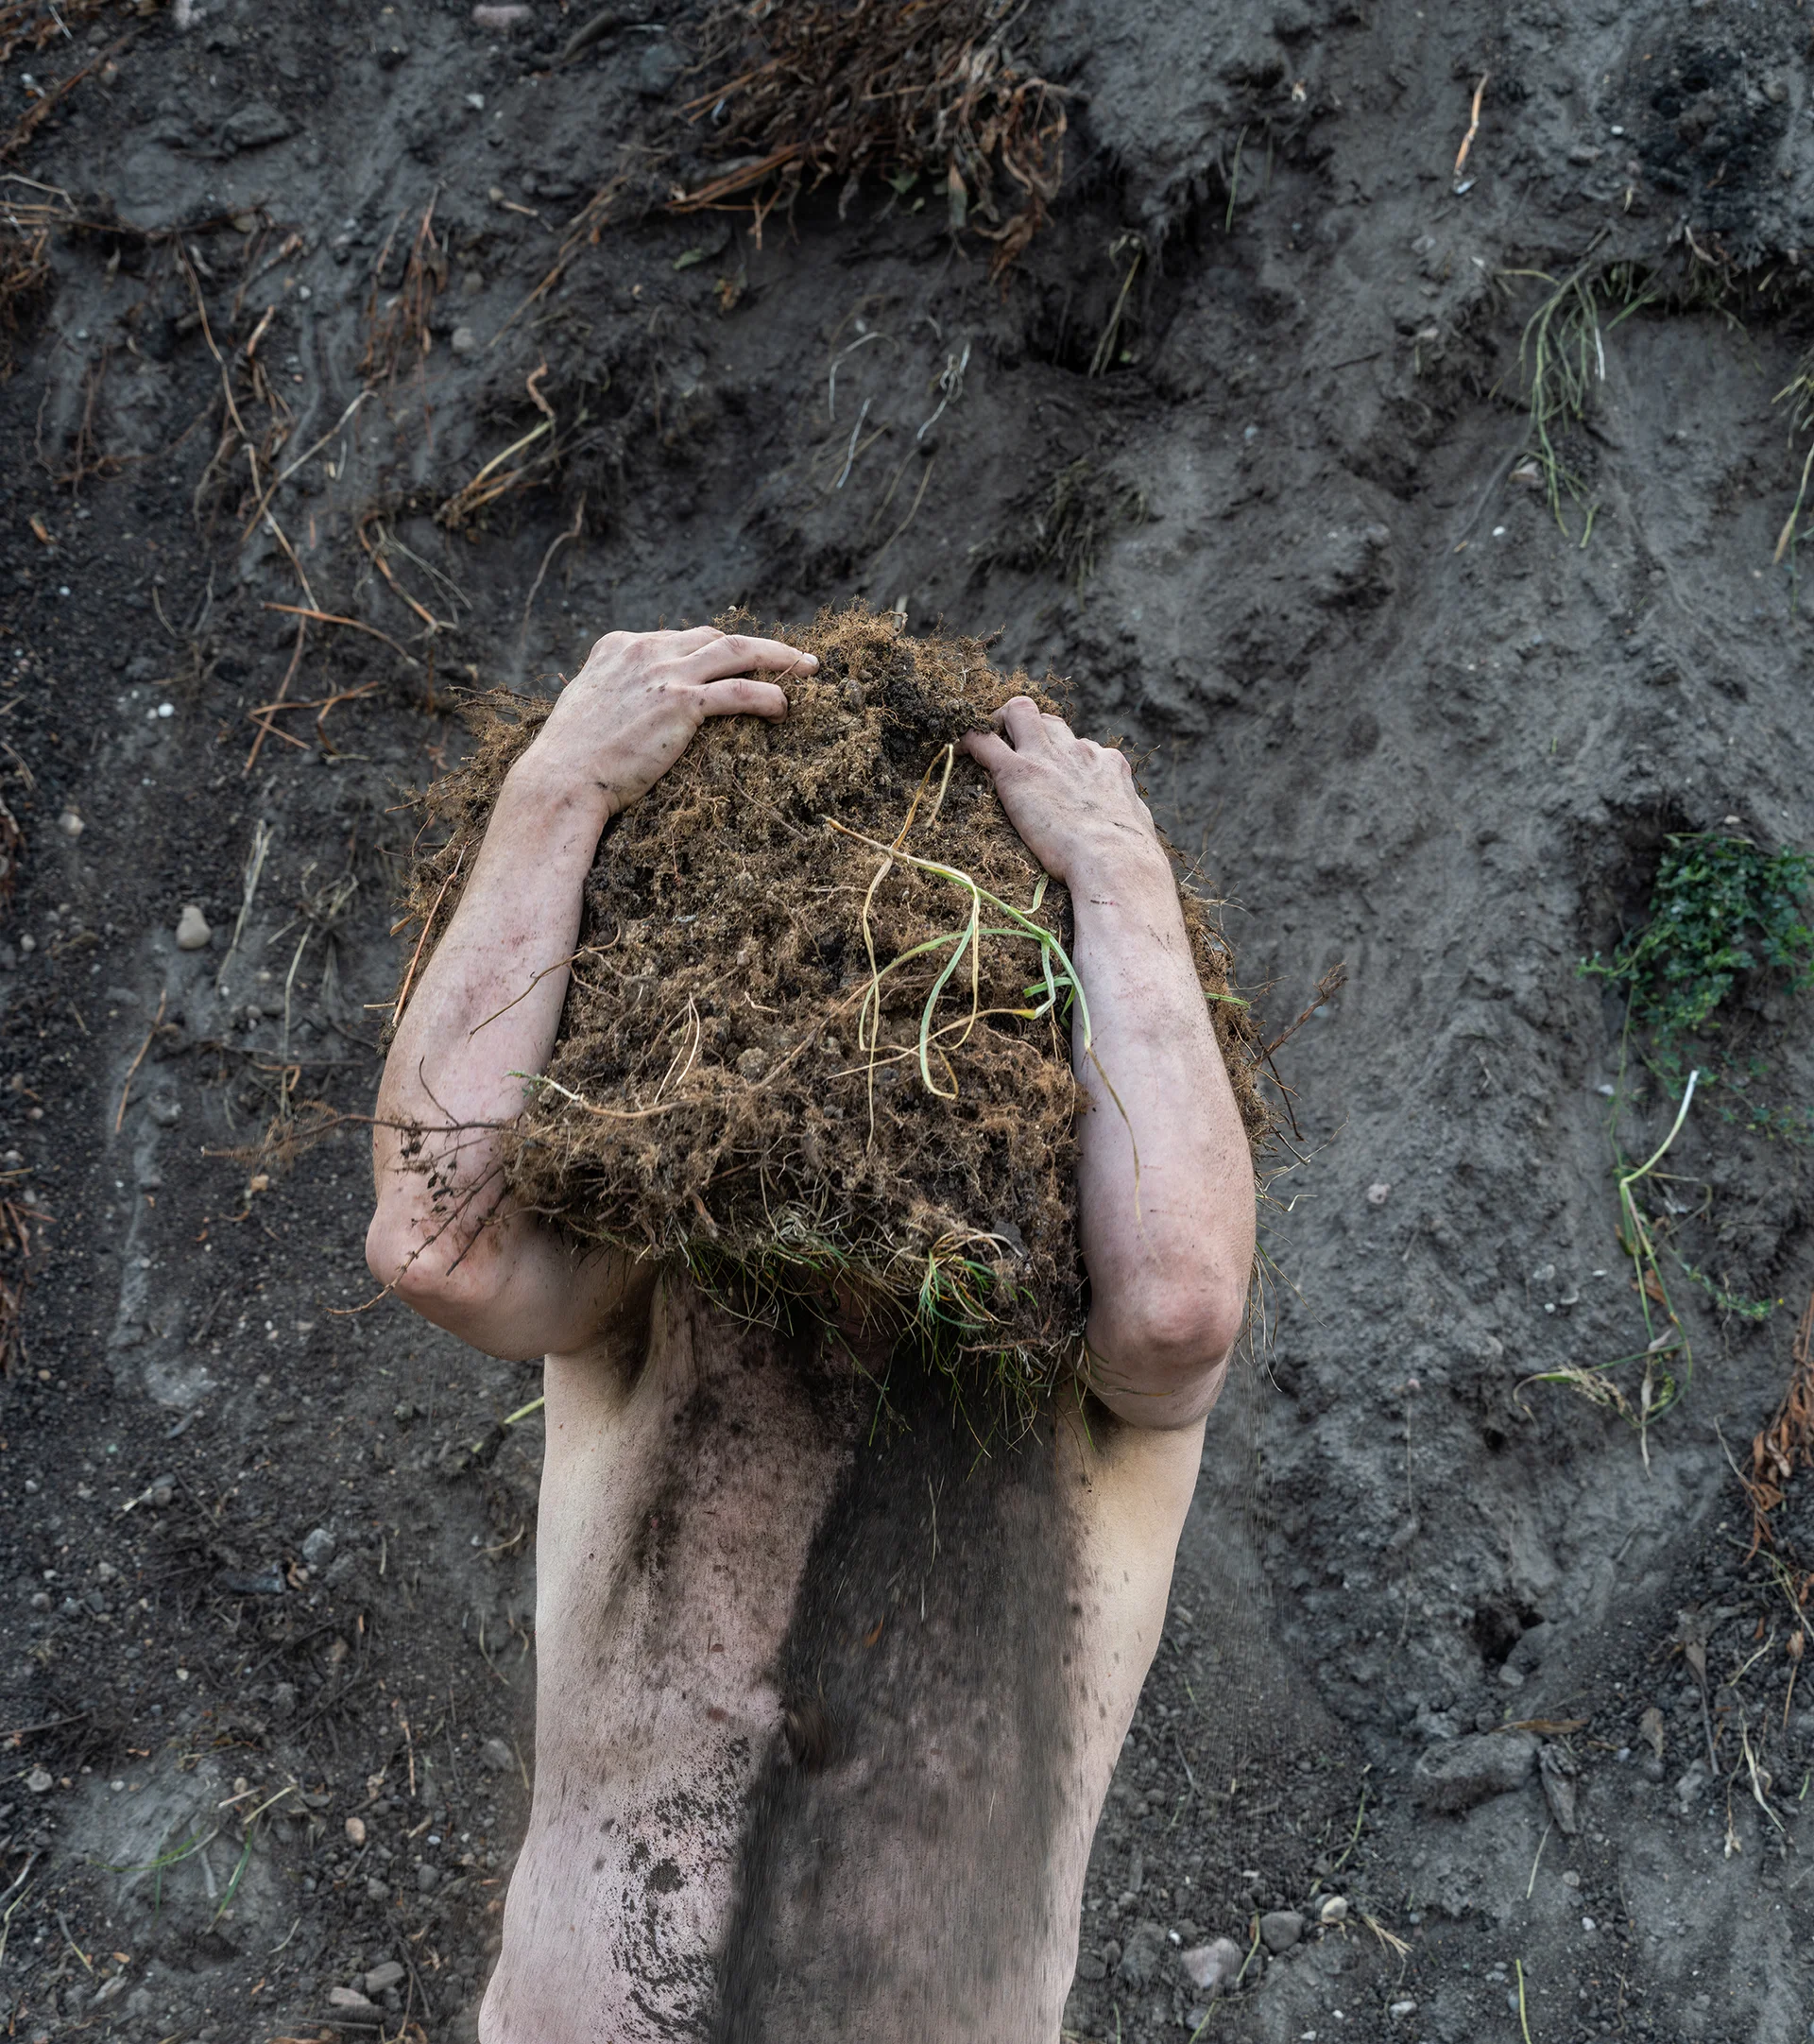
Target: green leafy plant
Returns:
[[1720, 906]]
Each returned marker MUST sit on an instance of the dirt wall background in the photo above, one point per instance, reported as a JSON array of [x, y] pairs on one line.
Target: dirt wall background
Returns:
[[1238, 446]]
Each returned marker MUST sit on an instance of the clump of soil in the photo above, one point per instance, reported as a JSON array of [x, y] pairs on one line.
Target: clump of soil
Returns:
[[800, 1050]]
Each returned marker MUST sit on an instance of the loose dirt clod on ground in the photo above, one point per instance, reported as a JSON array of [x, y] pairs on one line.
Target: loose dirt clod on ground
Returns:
[[818, 1037]]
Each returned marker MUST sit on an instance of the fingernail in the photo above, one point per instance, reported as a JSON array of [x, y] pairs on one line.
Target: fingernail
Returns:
[[810, 660]]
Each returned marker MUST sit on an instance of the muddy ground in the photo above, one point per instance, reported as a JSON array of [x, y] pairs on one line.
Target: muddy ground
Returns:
[[268, 1559]]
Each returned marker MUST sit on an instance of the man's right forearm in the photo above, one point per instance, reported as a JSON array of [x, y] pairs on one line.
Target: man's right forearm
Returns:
[[444, 1236], [485, 1006]]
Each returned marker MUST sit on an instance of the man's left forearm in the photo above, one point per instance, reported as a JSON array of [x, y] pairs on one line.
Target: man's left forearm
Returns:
[[1165, 1180]]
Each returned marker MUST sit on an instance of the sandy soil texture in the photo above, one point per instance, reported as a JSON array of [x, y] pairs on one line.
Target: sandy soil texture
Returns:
[[1476, 1717]]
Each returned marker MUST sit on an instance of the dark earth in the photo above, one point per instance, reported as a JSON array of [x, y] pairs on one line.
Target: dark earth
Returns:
[[1473, 1703]]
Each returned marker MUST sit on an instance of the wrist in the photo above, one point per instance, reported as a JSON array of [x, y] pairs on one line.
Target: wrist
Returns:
[[553, 793], [1121, 862]]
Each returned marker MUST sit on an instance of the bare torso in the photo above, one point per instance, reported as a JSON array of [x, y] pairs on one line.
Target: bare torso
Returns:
[[828, 1702]]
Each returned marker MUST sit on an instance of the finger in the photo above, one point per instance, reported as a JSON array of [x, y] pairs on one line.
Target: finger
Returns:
[[989, 752], [734, 655], [739, 696], [1020, 715]]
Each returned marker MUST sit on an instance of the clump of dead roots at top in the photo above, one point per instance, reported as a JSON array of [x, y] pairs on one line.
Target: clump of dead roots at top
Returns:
[[899, 89], [817, 1040]]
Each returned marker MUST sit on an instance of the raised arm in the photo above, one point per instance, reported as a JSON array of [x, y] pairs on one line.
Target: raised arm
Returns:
[[1168, 1256], [445, 1236]]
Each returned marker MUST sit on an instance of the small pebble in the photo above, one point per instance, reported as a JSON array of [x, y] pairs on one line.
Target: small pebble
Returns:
[[427, 1878], [1378, 1192], [1213, 1966], [465, 341], [346, 1998], [70, 824], [318, 1548], [1334, 1910], [389, 1974], [498, 1757], [192, 929], [39, 1781], [355, 1831], [378, 1890]]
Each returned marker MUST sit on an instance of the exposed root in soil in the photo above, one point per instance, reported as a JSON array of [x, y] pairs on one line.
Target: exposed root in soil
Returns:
[[879, 88], [1787, 1444], [817, 1040]]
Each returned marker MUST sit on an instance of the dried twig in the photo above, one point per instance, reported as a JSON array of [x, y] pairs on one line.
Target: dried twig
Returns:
[[126, 1091]]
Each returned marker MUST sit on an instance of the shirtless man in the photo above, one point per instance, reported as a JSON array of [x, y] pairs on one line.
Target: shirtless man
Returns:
[[826, 1711]]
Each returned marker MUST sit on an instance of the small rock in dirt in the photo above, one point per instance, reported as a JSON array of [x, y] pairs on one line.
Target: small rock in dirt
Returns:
[[656, 73], [192, 929], [1145, 1948], [1468, 1770], [500, 17], [1378, 1192], [428, 1878], [378, 1890], [355, 1831], [283, 1700], [1091, 1966], [387, 1975], [1334, 1910], [165, 1110], [752, 1063], [41, 1781], [346, 1998], [1211, 1968], [465, 341], [317, 1548], [1281, 1928], [71, 824], [495, 1755], [255, 126]]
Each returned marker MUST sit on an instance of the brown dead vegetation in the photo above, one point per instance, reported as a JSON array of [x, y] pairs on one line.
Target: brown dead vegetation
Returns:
[[1787, 1444], [813, 1047], [896, 89]]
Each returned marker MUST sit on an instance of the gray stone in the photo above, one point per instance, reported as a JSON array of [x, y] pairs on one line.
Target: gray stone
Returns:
[[387, 1975], [1281, 1928], [1469, 1770], [1140, 1958], [498, 1757], [378, 1890], [1214, 1968], [427, 1878], [254, 127], [192, 929], [1091, 1966], [318, 1548], [659, 66]]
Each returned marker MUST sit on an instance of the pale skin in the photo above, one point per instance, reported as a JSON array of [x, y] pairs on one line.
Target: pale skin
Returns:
[[1168, 1250]]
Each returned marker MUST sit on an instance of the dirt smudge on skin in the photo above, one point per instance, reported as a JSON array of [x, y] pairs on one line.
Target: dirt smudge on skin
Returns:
[[893, 1866]]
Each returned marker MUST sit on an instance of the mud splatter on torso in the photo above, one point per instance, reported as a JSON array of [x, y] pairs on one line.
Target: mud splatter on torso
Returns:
[[825, 1716]]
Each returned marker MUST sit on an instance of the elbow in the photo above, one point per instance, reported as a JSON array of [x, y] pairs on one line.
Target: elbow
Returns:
[[428, 1270], [1160, 1360]]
